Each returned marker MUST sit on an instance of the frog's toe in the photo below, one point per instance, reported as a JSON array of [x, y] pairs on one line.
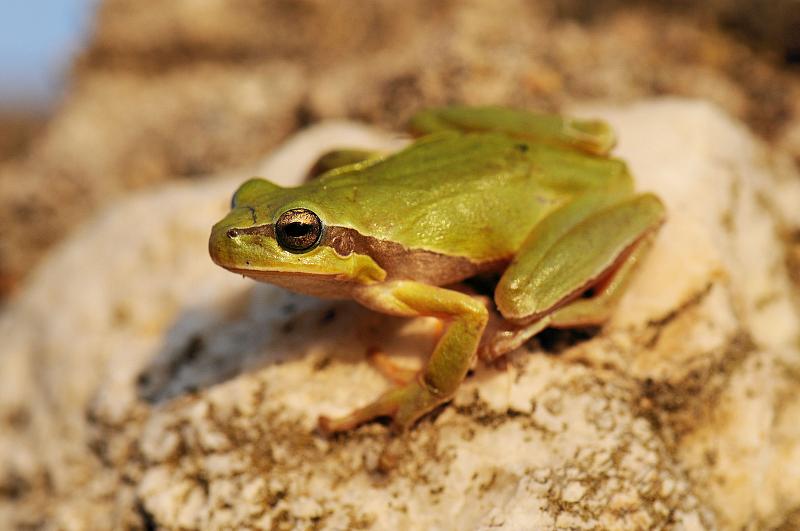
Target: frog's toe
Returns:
[[385, 406], [390, 370], [328, 426]]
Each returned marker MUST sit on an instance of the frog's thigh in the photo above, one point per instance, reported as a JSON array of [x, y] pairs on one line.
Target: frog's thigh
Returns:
[[447, 366], [596, 309], [559, 264]]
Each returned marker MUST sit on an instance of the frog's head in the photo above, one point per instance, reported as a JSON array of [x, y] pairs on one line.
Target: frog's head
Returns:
[[277, 235]]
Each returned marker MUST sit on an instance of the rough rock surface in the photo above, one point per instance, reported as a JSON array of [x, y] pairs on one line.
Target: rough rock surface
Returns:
[[183, 89], [141, 385]]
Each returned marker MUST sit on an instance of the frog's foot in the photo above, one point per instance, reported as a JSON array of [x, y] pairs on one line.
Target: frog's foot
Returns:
[[501, 337], [404, 404], [390, 370], [340, 158], [591, 136]]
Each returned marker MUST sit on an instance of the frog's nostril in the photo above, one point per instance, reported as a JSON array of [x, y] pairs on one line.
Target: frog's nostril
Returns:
[[232, 233]]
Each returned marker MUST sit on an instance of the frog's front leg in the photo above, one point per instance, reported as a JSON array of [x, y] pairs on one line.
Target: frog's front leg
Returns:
[[448, 365]]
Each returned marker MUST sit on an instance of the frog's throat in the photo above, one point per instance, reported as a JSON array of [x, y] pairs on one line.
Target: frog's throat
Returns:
[[398, 261]]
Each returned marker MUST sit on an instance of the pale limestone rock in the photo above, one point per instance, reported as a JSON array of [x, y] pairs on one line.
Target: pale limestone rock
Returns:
[[140, 384]]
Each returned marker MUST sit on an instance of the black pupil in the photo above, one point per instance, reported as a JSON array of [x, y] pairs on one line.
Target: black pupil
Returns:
[[298, 229]]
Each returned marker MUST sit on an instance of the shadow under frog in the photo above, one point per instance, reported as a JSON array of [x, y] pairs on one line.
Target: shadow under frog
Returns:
[[266, 325]]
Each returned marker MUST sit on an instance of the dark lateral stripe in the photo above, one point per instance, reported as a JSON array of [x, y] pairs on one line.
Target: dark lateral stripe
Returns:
[[400, 262]]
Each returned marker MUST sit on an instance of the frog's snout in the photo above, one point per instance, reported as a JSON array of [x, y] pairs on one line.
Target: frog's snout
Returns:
[[218, 242], [228, 246]]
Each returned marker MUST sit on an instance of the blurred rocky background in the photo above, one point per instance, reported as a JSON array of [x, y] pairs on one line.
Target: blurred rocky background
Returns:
[[705, 394], [179, 90]]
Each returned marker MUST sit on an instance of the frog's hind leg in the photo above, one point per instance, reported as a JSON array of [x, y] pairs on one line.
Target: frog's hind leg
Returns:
[[502, 336], [390, 370], [339, 158], [591, 136], [595, 309], [588, 249]]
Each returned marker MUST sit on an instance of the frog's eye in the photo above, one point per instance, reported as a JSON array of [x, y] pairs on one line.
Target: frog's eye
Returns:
[[298, 230], [233, 201]]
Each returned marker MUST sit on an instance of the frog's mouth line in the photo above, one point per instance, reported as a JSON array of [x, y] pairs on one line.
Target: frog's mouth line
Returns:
[[273, 275], [325, 285]]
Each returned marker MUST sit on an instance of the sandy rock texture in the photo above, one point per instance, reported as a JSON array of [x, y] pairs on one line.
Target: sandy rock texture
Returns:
[[142, 386], [180, 89]]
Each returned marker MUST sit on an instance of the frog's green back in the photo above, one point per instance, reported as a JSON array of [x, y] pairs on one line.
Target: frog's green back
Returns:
[[475, 195]]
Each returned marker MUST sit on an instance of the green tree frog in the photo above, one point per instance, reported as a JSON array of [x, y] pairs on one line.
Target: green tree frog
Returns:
[[533, 197]]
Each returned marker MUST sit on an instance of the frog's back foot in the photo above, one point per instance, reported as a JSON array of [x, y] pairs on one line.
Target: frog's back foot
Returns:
[[501, 337], [342, 158], [591, 136]]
